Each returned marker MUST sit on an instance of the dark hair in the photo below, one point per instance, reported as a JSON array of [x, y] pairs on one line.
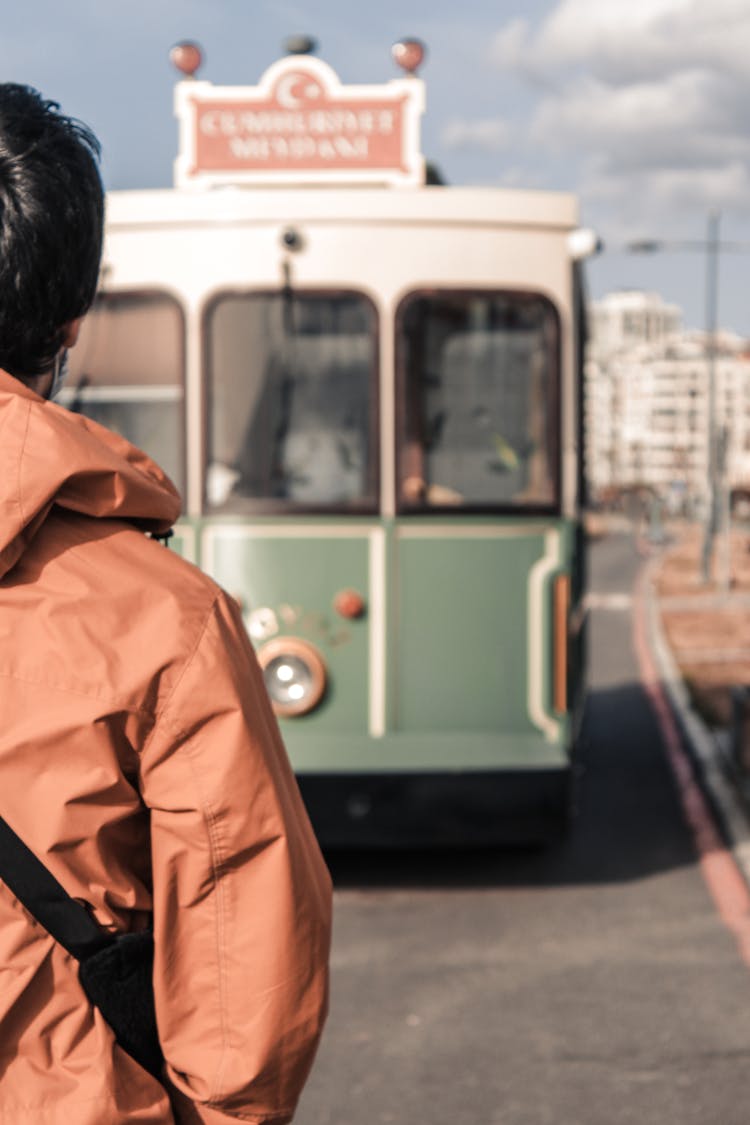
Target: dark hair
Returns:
[[51, 225]]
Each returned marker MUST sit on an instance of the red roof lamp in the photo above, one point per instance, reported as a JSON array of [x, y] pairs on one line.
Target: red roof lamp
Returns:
[[409, 54], [187, 57]]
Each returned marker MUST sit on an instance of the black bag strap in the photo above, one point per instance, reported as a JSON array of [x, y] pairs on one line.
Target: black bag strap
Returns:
[[65, 919]]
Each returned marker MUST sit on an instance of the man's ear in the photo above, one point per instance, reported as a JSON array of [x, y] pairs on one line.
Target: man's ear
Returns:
[[72, 328]]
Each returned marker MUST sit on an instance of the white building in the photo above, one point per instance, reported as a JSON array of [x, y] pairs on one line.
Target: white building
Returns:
[[647, 401], [630, 317]]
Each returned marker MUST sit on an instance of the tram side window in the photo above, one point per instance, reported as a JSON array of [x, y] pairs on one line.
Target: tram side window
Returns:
[[126, 372], [292, 394], [479, 401]]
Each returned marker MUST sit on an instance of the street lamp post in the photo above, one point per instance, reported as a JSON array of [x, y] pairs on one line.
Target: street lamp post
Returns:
[[712, 294]]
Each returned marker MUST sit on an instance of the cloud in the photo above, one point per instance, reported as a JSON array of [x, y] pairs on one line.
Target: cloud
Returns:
[[628, 40], [489, 135], [677, 122], [648, 96], [662, 190]]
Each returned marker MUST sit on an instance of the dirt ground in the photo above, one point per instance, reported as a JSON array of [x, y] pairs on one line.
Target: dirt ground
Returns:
[[707, 625]]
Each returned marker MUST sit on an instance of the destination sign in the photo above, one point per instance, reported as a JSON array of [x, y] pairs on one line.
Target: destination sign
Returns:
[[300, 124]]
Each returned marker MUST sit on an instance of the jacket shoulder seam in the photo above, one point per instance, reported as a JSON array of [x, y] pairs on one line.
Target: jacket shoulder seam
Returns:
[[160, 714]]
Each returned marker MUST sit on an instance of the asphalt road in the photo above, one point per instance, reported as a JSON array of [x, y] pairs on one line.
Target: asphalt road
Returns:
[[588, 984]]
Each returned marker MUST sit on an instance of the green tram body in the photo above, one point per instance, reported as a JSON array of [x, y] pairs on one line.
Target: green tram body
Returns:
[[377, 392]]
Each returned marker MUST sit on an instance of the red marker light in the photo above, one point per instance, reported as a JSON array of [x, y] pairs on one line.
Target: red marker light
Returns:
[[348, 603], [187, 57], [409, 54]]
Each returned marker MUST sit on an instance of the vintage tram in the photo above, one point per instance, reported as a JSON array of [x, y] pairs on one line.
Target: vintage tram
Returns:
[[368, 390]]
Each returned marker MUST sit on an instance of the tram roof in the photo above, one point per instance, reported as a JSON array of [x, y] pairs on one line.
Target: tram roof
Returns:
[[462, 206]]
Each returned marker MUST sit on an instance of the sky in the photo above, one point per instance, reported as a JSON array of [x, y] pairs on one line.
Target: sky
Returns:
[[640, 107]]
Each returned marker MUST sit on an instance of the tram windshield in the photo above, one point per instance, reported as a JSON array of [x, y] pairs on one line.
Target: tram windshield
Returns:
[[127, 372], [479, 401], [292, 402]]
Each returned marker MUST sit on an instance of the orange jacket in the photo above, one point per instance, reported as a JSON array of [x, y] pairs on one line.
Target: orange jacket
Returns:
[[140, 760]]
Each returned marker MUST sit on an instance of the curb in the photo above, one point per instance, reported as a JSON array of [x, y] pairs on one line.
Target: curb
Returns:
[[714, 770]]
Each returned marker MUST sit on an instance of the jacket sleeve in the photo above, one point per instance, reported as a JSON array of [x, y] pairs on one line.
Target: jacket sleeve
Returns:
[[242, 897]]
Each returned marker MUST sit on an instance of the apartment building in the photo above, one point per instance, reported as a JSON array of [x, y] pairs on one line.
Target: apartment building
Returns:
[[628, 318], [648, 406]]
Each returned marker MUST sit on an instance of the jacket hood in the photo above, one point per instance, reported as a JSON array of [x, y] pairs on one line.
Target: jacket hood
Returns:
[[49, 456]]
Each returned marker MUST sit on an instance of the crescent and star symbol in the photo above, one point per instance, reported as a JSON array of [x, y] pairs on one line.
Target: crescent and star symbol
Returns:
[[288, 92]]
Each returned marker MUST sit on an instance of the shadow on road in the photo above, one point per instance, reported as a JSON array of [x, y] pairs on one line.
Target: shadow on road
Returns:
[[628, 823]]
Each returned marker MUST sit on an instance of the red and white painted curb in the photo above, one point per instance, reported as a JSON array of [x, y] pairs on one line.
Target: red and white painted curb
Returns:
[[725, 865]]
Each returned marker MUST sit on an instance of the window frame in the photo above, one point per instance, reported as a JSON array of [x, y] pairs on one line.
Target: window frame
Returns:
[[146, 292], [271, 506], [421, 508]]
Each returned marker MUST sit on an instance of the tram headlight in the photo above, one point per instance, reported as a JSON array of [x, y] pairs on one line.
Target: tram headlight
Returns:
[[584, 243], [295, 675]]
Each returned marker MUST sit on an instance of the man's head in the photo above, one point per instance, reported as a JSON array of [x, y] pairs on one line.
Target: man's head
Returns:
[[51, 223]]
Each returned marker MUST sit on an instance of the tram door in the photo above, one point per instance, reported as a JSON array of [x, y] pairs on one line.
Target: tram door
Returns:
[[478, 472]]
